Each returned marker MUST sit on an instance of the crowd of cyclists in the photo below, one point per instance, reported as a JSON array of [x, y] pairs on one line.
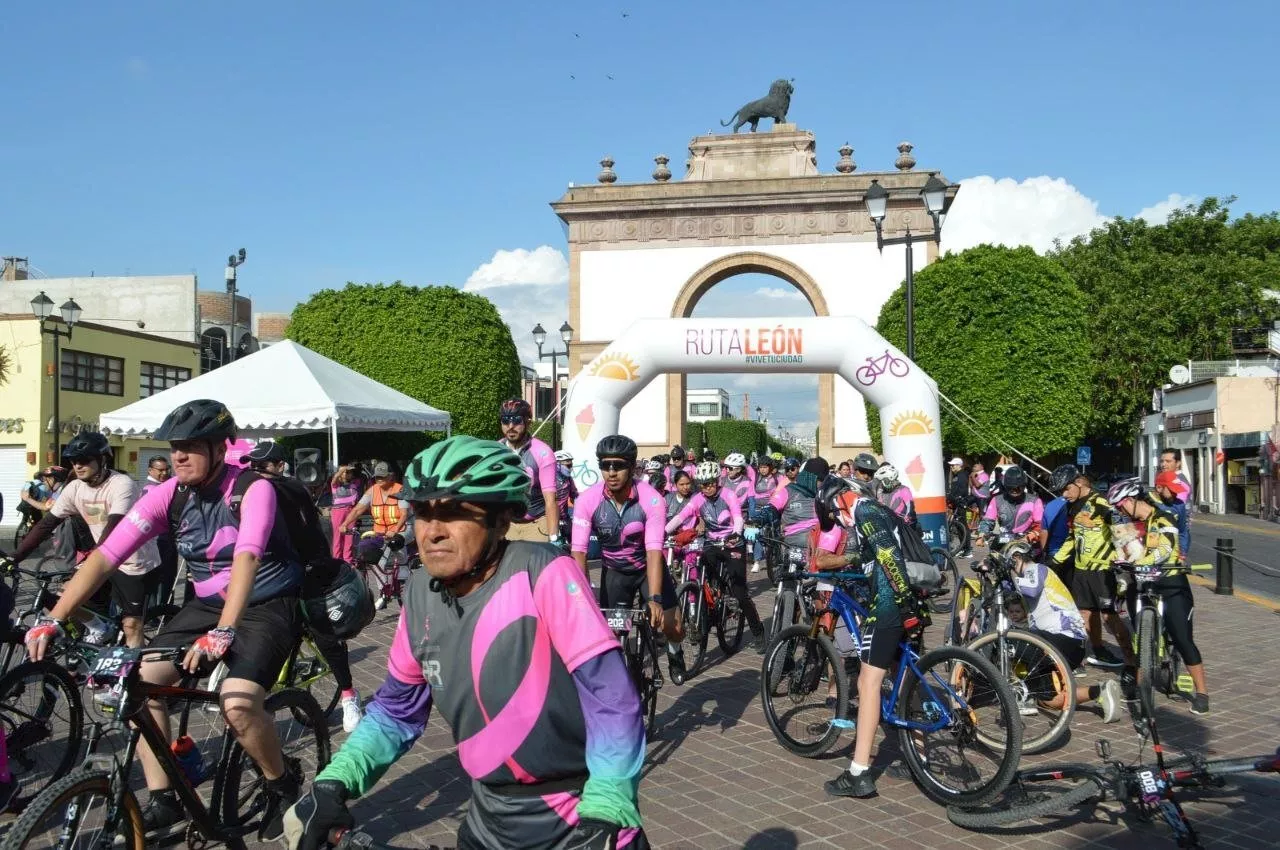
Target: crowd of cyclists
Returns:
[[501, 628]]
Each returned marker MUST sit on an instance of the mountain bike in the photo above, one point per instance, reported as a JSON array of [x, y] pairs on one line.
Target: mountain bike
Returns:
[[305, 669], [640, 648], [384, 574], [25, 524], [97, 797], [1158, 660], [705, 603], [43, 719], [789, 605], [685, 565], [934, 699]]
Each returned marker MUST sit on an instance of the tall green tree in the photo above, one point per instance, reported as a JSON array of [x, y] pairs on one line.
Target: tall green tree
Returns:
[[1004, 333], [441, 345], [1164, 294]]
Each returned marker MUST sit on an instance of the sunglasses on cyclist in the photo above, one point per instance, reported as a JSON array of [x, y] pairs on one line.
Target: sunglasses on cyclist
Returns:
[[614, 465], [510, 419]]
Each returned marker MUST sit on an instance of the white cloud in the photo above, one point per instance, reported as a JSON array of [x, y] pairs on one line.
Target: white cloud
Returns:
[[1034, 212], [1158, 213], [543, 265], [779, 292]]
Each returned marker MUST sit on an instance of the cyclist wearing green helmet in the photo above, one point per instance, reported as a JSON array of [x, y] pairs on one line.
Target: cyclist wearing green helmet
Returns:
[[506, 639]]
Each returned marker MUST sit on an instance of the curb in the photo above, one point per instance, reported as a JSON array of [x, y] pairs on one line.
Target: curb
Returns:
[[1267, 602]]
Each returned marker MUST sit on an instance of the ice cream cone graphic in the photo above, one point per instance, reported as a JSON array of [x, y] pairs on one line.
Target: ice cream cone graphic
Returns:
[[584, 421], [915, 473]]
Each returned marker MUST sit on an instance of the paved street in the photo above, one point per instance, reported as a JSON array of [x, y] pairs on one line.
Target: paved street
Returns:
[[1257, 567], [715, 777]]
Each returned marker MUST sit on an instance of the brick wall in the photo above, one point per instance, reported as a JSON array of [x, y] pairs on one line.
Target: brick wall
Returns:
[[213, 308], [271, 327]]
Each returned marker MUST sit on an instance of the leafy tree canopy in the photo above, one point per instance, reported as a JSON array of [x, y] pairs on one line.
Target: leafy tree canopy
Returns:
[[1164, 294], [1004, 333], [441, 345]]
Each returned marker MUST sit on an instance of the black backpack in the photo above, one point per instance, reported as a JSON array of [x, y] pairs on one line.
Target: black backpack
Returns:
[[329, 586]]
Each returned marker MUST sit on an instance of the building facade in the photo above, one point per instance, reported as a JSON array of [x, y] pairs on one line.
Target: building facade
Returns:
[[99, 369], [707, 405]]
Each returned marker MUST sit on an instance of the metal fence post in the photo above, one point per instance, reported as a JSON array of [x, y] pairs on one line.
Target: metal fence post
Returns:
[[1226, 563]]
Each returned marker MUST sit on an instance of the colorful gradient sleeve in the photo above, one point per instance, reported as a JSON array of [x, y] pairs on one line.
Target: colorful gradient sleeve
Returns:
[[615, 740], [393, 720]]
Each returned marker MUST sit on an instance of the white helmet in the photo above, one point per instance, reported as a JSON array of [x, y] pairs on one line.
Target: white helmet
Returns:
[[888, 476], [735, 459], [562, 456], [653, 466], [707, 471]]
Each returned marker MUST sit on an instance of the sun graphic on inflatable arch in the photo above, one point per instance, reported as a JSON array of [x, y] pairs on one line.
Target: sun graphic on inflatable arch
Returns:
[[912, 423], [616, 367]]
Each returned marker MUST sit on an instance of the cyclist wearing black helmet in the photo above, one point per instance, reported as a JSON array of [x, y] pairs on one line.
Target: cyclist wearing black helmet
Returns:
[[246, 578], [101, 497], [540, 462], [679, 462], [1013, 510], [864, 470]]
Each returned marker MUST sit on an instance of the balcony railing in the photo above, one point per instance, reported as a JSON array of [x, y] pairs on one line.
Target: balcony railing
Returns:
[[1255, 340], [1188, 421]]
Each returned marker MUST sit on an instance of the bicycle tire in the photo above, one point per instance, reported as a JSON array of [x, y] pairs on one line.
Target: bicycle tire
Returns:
[[946, 564], [31, 732], [987, 817], [1147, 624], [772, 565], [644, 670], [693, 607], [232, 768], [822, 651], [304, 661], [730, 621], [55, 799], [957, 536], [784, 613], [1058, 729], [1009, 754]]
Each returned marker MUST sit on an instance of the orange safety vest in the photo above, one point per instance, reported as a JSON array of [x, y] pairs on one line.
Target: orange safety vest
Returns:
[[384, 508]]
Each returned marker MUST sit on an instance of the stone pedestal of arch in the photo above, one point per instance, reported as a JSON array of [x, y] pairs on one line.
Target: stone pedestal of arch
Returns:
[[751, 202]]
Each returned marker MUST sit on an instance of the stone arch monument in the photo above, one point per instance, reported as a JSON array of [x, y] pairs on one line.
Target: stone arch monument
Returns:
[[751, 202]]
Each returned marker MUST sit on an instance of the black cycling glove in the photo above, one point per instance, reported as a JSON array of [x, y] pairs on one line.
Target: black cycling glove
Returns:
[[592, 834], [311, 821]]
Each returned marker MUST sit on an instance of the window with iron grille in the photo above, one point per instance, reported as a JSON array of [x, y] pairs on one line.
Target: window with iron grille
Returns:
[[92, 373], [154, 377]]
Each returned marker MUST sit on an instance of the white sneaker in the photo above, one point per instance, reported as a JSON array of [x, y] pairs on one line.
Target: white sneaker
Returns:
[[1112, 700], [380, 603], [351, 712], [755, 567]]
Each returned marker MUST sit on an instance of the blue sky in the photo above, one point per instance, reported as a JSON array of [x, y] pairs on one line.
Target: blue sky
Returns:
[[415, 140]]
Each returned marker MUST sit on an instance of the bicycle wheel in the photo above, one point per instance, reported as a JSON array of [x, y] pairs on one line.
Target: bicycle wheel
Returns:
[[957, 536], [955, 765], [42, 823], [310, 672], [305, 745], [784, 612], [43, 719], [1027, 803], [943, 598], [729, 623], [798, 672], [644, 671], [1039, 675], [1146, 660], [693, 609]]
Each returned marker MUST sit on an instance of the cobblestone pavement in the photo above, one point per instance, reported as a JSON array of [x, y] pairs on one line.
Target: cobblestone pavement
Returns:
[[716, 778]]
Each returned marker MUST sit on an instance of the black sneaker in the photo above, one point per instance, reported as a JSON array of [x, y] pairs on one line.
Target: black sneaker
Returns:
[[675, 666], [161, 814], [758, 640], [281, 794], [1199, 703], [1102, 656], [848, 785]]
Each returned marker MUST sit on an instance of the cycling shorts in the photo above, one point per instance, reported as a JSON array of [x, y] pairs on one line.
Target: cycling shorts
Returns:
[[880, 644], [264, 638], [1094, 590], [132, 594], [619, 589]]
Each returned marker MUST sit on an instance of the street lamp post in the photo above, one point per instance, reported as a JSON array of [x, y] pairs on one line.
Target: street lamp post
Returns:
[[42, 306], [233, 262], [540, 337], [936, 203]]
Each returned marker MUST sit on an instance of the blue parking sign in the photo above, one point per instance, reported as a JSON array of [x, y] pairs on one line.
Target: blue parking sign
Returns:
[[1084, 456]]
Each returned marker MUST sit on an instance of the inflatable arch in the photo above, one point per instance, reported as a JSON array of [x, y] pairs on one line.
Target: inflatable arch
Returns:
[[906, 396]]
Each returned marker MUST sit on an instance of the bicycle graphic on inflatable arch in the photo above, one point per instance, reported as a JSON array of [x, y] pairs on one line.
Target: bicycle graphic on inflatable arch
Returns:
[[877, 366]]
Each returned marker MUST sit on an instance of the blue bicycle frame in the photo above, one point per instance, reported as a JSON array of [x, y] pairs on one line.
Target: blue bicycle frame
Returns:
[[852, 613]]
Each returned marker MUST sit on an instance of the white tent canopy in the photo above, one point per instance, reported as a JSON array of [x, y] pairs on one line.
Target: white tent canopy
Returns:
[[287, 389]]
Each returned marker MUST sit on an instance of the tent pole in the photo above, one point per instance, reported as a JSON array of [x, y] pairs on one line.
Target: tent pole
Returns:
[[333, 446]]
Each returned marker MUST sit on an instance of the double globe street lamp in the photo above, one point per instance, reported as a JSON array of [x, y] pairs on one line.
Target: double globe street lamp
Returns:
[[539, 338], [42, 306], [936, 203]]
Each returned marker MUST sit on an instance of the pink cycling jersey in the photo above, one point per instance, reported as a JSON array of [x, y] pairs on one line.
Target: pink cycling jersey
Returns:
[[721, 516], [625, 532], [540, 463]]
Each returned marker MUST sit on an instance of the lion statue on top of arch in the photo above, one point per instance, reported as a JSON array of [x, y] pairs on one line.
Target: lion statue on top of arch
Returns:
[[773, 105]]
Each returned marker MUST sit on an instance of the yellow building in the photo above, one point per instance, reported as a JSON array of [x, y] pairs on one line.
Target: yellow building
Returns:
[[102, 369]]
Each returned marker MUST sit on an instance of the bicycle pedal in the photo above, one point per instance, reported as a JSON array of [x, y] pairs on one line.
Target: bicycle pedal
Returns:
[[657, 681]]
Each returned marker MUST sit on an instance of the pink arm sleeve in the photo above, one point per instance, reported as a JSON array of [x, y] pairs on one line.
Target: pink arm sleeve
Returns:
[[687, 511], [400, 661], [990, 512], [1037, 512], [546, 468], [779, 499], [583, 510], [257, 515], [751, 476], [735, 510], [146, 520], [831, 541], [655, 517], [566, 606]]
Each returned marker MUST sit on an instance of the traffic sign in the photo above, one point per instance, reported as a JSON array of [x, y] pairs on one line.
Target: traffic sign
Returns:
[[1084, 456]]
